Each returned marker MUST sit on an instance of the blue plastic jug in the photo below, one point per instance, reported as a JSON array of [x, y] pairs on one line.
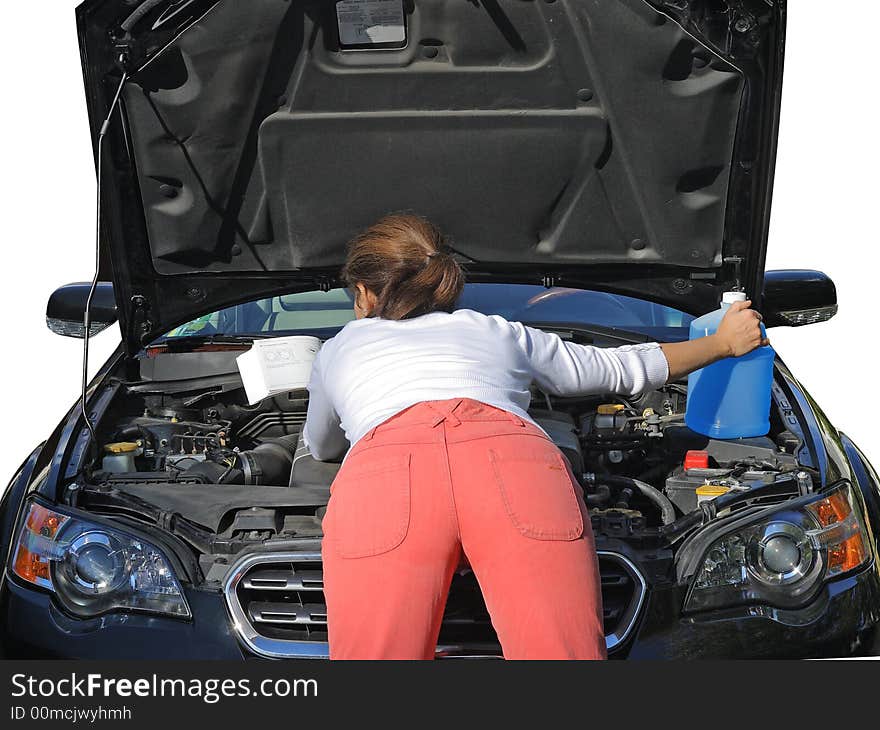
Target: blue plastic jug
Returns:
[[731, 398]]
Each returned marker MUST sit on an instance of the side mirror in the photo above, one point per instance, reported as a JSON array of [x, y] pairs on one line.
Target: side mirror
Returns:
[[67, 307], [793, 298]]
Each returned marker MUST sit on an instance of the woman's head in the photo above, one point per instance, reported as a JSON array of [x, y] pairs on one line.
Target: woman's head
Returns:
[[400, 268]]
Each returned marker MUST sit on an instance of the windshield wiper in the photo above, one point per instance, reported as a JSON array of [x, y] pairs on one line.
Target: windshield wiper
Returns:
[[191, 342], [594, 332]]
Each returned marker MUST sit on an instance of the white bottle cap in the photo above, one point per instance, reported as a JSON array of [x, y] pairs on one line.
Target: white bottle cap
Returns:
[[733, 296]]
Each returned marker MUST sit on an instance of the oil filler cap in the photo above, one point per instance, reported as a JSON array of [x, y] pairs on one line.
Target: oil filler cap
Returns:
[[696, 460]]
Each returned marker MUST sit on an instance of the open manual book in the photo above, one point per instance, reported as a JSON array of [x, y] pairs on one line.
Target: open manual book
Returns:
[[277, 365]]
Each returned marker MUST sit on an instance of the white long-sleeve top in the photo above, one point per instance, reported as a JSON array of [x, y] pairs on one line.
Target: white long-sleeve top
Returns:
[[375, 368]]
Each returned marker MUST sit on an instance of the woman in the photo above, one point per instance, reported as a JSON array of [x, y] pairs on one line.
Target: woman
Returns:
[[446, 464]]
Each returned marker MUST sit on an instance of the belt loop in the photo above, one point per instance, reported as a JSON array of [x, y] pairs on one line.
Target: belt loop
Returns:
[[452, 419], [439, 416], [368, 436], [516, 419], [444, 416]]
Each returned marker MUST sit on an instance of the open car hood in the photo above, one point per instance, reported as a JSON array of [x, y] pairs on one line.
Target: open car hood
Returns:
[[623, 145]]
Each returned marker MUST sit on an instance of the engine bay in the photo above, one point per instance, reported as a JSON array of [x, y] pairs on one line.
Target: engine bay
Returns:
[[234, 475]]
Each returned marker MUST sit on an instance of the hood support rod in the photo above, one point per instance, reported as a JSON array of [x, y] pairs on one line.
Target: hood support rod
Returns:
[[87, 316]]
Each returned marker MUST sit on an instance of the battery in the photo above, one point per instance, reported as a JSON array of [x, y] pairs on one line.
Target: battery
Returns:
[[681, 487]]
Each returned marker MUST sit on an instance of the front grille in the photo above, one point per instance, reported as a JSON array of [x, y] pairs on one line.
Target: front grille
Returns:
[[277, 605], [285, 600]]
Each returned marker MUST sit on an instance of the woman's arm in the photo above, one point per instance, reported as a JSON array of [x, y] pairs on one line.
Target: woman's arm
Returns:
[[568, 369], [738, 334], [322, 433]]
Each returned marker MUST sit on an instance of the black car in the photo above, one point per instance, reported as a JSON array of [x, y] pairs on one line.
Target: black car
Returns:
[[604, 169]]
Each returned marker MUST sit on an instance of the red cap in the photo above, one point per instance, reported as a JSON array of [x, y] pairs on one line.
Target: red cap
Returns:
[[696, 460]]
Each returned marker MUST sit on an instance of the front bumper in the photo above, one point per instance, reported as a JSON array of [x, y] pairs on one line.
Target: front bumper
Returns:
[[33, 627]]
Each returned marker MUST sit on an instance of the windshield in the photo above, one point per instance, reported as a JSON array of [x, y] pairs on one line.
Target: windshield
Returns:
[[326, 312]]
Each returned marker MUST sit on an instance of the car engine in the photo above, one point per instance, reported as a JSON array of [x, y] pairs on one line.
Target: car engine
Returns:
[[638, 464]]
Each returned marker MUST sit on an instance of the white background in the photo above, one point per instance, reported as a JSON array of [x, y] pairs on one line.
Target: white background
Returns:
[[824, 215]]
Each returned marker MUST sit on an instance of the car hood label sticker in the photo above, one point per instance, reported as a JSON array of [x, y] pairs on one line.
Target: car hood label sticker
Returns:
[[370, 22]]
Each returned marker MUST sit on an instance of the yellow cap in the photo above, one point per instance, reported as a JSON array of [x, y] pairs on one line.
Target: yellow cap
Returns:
[[124, 447], [712, 490], [609, 409]]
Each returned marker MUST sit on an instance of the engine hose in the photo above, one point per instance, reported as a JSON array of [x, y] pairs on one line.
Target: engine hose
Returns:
[[269, 464], [675, 530], [705, 514], [600, 498], [667, 511], [210, 472], [626, 494]]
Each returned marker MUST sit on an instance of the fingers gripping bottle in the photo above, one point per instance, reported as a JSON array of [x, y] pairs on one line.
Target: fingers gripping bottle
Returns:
[[731, 398]]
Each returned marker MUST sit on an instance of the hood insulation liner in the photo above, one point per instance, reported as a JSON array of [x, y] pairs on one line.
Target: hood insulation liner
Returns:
[[530, 132]]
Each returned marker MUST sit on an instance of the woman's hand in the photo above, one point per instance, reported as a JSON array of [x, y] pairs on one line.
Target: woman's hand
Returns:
[[740, 331], [738, 334]]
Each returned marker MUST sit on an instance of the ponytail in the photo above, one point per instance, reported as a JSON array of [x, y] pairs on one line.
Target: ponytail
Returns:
[[405, 262]]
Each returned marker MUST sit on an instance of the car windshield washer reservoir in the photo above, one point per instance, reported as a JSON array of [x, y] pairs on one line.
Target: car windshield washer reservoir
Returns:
[[731, 398]]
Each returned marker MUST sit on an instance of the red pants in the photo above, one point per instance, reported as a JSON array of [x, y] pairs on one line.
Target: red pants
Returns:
[[451, 478]]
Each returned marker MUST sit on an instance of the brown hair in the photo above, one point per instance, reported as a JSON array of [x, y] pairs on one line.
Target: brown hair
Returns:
[[404, 260]]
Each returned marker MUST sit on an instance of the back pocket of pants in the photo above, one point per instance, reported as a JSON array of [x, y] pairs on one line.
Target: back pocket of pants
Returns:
[[370, 508], [539, 495]]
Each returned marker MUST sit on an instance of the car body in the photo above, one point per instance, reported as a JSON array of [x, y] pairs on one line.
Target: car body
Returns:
[[609, 197]]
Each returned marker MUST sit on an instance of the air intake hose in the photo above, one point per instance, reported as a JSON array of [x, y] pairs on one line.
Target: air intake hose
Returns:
[[270, 464]]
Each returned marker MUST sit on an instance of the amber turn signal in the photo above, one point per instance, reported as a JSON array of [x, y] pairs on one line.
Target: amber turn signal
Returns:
[[31, 563], [843, 536]]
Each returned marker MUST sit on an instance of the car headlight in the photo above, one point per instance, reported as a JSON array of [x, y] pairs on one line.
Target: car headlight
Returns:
[[94, 569], [783, 560]]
